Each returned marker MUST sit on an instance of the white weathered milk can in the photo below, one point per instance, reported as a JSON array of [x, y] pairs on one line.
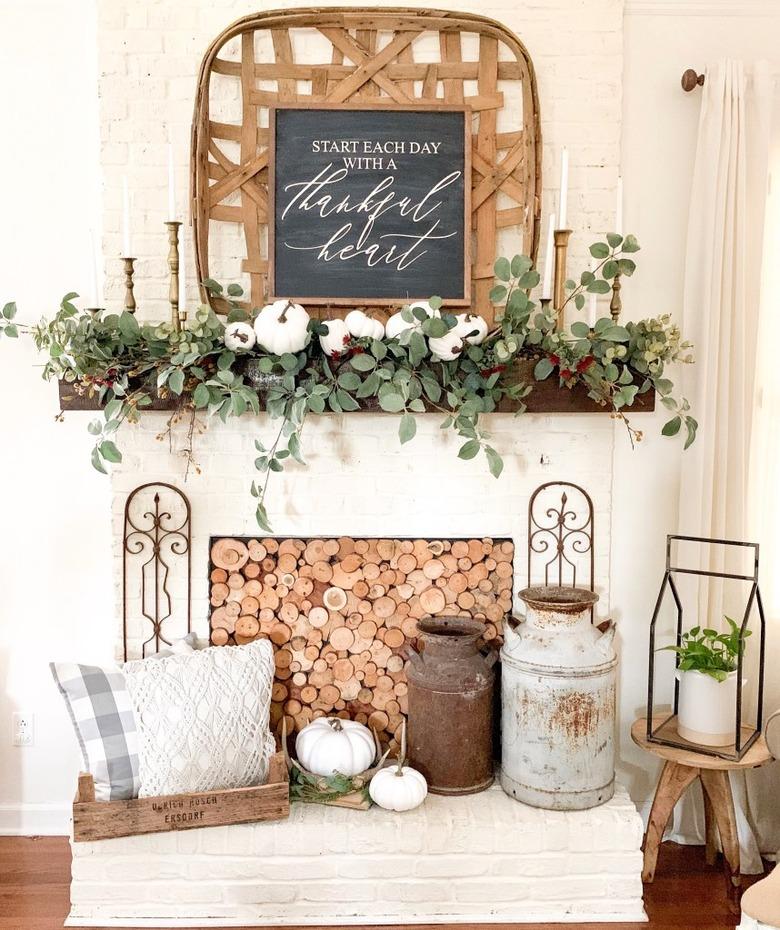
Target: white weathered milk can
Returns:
[[558, 676]]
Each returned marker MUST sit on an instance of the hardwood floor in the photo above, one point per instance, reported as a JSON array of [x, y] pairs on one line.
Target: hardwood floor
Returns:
[[687, 893]]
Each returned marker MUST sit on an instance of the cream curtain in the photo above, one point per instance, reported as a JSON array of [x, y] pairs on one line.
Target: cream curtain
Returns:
[[721, 317]]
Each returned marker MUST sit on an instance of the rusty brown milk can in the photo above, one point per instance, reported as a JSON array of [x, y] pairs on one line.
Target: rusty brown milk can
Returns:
[[451, 706]]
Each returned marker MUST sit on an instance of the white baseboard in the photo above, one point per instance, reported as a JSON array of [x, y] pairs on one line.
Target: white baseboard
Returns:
[[35, 819]]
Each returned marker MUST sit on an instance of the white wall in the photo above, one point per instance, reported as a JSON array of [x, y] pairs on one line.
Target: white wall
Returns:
[[59, 601], [57, 596], [660, 40]]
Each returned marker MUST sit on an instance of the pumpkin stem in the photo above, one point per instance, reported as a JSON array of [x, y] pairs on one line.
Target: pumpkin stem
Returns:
[[283, 314], [336, 724]]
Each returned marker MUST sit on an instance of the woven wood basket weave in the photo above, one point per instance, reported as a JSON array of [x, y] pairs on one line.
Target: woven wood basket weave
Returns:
[[383, 56]]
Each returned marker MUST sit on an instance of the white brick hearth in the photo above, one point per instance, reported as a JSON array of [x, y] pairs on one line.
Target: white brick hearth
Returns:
[[483, 857]]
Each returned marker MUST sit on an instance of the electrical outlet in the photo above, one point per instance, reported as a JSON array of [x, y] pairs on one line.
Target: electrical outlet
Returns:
[[23, 729]]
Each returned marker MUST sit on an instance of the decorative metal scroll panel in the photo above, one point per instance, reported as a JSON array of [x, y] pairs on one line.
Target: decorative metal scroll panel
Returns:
[[560, 535], [156, 566], [395, 56]]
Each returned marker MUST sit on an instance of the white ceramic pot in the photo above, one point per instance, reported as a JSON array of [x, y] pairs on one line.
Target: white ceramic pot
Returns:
[[707, 710]]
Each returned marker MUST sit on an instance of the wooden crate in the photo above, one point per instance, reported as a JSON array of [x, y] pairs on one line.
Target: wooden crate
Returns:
[[103, 820]]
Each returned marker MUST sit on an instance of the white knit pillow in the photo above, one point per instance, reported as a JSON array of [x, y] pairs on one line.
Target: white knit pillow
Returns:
[[202, 718]]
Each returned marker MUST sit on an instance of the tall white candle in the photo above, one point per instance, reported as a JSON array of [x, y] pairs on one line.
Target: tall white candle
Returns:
[[126, 243], [548, 260], [94, 297], [183, 270], [564, 194], [171, 185], [619, 207], [592, 307]]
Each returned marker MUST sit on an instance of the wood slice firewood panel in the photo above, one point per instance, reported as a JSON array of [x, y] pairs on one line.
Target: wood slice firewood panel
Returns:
[[340, 611]]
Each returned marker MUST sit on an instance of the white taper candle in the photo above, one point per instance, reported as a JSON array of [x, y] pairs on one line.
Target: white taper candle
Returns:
[[183, 269], [548, 260], [126, 243], [564, 193], [619, 207], [171, 185], [94, 297]]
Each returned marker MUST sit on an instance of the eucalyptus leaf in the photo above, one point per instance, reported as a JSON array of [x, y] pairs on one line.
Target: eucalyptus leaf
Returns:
[[407, 427]]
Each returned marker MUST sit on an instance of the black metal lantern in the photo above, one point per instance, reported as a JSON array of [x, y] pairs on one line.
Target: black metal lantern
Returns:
[[666, 732]]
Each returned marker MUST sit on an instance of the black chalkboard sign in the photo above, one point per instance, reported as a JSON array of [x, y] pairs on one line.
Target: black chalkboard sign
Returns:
[[370, 205]]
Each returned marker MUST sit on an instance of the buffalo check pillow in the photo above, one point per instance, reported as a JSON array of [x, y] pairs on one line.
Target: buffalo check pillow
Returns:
[[99, 706]]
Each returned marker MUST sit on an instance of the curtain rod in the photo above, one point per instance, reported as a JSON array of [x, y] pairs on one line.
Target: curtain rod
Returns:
[[691, 79]]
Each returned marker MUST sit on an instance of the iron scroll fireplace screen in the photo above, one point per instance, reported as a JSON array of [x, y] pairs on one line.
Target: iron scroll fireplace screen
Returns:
[[155, 556], [560, 537]]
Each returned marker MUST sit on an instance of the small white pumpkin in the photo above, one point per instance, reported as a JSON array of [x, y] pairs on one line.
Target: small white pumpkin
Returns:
[[397, 324], [448, 347], [363, 326], [239, 337], [282, 327], [337, 338], [330, 744], [398, 787], [473, 326]]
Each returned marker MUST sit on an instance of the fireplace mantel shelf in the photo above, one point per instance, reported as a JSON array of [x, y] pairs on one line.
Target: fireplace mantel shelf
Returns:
[[545, 398]]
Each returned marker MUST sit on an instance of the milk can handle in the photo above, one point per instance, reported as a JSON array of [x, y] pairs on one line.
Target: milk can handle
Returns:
[[411, 653], [491, 657]]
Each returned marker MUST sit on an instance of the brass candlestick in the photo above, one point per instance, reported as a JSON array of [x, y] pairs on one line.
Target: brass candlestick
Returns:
[[561, 244], [615, 304], [129, 295], [173, 264]]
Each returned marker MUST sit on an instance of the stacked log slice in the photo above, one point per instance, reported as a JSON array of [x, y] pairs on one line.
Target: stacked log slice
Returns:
[[340, 613]]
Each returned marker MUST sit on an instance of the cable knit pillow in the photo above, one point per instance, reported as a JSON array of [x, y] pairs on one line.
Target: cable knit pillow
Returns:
[[203, 718]]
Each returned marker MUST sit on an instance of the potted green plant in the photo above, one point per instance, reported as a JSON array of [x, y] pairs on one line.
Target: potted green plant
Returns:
[[707, 672]]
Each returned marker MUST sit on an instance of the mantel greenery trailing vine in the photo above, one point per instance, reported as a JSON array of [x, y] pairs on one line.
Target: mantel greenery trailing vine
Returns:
[[125, 362]]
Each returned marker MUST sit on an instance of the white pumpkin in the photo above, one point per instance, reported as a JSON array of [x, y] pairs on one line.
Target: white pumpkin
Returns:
[[398, 788], [363, 326], [473, 326], [338, 336], [397, 324], [239, 337], [282, 327], [330, 744], [468, 328], [448, 347]]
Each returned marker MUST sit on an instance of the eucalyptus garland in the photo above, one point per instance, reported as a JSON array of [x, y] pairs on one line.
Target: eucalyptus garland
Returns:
[[125, 363]]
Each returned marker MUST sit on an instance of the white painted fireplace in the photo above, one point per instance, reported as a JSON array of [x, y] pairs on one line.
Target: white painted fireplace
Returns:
[[360, 481], [482, 857]]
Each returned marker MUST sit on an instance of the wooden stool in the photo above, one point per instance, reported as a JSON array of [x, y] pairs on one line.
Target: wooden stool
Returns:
[[681, 768]]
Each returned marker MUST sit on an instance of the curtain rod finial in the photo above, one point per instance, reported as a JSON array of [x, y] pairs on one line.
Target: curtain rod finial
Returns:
[[691, 80]]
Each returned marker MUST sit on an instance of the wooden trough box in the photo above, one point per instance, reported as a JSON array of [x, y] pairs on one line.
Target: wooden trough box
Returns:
[[103, 820]]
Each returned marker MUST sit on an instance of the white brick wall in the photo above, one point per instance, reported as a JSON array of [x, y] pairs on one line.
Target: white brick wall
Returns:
[[360, 481], [148, 59], [483, 857], [480, 858]]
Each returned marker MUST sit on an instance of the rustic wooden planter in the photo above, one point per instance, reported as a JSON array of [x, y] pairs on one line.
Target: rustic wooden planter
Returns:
[[103, 820], [546, 397]]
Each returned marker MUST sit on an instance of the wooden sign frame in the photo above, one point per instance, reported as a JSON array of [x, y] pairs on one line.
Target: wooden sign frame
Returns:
[[372, 60], [348, 301]]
